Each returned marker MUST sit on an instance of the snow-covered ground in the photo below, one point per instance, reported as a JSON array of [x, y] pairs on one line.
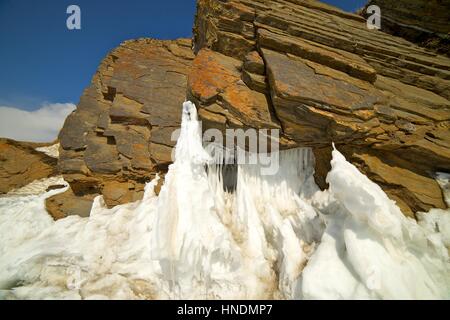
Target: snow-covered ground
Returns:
[[274, 237]]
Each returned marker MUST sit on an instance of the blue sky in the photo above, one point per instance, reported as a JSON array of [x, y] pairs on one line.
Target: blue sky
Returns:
[[41, 61]]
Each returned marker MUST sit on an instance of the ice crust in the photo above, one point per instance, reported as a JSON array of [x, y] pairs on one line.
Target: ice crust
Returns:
[[51, 151]]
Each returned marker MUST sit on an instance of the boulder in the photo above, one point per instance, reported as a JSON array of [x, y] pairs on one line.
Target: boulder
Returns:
[[67, 204]]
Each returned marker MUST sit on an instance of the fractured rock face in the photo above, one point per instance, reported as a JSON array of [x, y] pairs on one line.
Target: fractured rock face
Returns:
[[120, 135], [321, 76], [215, 82], [309, 69], [421, 21]]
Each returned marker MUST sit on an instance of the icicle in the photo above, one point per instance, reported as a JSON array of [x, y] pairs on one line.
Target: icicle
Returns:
[[226, 232]]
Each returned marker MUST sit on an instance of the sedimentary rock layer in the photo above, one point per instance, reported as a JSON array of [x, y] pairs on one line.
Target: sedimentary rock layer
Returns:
[[119, 137], [309, 69], [424, 22], [321, 76], [21, 164]]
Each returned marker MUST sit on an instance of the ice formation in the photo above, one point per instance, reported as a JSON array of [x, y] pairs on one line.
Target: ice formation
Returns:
[[275, 236], [51, 151], [370, 249]]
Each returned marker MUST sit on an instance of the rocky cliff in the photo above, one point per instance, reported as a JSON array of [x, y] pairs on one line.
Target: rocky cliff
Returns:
[[119, 137], [425, 22], [309, 69], [321, 76], [21, 164]]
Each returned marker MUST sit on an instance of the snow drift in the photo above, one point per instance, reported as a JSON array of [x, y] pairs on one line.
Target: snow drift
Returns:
[[274, 237]]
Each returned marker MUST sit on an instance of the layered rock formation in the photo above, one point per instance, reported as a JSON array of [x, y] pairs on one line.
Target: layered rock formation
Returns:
[[119, 137], [21, 164], [312, 71], [426, 22], [321, 76]]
